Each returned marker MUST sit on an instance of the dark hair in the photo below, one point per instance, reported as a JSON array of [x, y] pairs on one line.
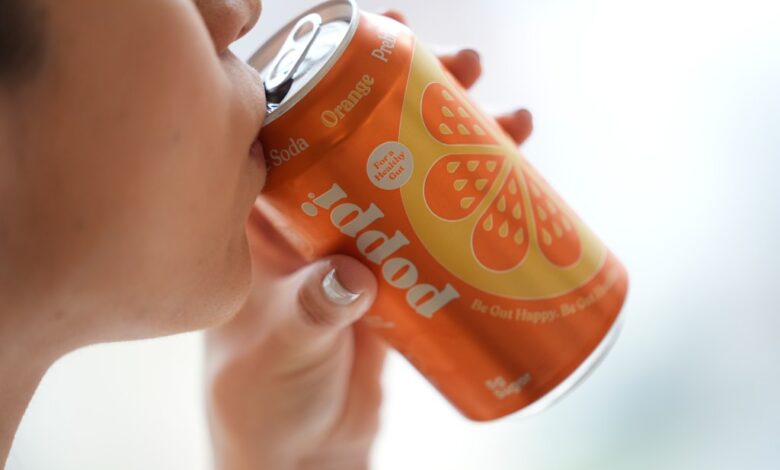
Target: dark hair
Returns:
[[21, 39]]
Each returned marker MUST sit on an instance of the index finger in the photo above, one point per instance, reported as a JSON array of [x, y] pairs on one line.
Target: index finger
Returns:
[[464, 65]]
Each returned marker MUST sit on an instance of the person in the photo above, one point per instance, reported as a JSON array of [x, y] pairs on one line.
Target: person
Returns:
[[129, 169]]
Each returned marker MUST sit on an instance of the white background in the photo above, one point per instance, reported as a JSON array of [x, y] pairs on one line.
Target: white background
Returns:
[[658, 122]]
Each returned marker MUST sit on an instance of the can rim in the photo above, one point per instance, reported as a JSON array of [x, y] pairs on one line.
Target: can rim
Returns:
[[267, 51]]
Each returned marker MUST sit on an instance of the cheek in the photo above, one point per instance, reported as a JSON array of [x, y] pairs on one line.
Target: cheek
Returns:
[[138, 185]]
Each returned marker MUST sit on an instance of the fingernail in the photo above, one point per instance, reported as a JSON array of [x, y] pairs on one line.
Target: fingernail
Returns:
[[335, 290], [472, 52]]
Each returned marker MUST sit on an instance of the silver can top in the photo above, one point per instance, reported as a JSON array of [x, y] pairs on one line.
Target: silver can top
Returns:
[[302, 52]]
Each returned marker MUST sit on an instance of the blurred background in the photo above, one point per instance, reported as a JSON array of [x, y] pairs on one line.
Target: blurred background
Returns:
[[659, 123]]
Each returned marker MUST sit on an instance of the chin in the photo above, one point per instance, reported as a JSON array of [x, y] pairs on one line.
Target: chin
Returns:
[[201, 294], [217, 298], [230, 290]]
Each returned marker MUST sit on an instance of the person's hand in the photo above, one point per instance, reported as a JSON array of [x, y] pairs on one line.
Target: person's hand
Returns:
[[293, 381]]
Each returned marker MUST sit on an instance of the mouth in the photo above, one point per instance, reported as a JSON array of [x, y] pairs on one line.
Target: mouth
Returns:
[[260, 170], [256, 152]]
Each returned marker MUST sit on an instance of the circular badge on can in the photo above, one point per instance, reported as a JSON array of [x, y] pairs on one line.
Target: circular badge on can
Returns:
[[390, 165]]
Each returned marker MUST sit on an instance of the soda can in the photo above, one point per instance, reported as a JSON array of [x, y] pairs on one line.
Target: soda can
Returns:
[[489, 284]]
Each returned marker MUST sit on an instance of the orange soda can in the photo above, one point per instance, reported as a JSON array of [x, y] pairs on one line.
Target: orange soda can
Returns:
[[489, 284]]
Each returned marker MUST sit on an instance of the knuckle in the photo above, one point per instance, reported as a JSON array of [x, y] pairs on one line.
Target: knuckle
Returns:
[[313, 311]]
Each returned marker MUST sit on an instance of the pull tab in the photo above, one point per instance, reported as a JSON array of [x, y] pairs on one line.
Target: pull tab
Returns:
[[290, 58]]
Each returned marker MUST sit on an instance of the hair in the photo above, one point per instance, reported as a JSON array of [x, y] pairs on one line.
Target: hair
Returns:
[[21, 40]]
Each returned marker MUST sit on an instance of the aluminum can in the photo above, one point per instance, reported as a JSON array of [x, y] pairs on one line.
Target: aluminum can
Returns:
[[489, 284]]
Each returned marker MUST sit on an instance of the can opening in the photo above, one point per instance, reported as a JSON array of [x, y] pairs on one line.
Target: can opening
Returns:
[[290, 57], [294, 59]]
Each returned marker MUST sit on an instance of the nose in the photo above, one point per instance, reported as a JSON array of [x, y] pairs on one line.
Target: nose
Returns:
[[228, 20]]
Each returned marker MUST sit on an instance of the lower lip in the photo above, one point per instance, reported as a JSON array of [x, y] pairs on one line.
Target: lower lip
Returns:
[[256, 152]]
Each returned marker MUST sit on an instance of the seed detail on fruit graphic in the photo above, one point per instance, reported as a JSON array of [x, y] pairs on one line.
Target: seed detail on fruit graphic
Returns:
[[500, 240], [456, 184], [448, 120], [555, 232]]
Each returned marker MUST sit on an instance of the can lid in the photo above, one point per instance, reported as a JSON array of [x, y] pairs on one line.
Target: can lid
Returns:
[[300, 54], [282, 70]]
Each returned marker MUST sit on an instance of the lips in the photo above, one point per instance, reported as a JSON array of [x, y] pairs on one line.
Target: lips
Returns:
[[259, 172], [256, 151]]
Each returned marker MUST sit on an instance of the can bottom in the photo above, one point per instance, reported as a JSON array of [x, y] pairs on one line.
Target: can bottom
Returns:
[[578, 376]]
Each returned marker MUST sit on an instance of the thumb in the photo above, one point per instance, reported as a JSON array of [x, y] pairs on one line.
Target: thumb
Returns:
[[329, 295]]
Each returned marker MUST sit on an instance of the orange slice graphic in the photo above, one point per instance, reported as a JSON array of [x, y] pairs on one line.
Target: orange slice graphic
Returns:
[[456, 184], [500, 239], [477, 205], [555, 232], [448, 120]]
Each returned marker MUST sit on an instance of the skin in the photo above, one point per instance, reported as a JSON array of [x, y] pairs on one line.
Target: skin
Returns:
[[128, 177]]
